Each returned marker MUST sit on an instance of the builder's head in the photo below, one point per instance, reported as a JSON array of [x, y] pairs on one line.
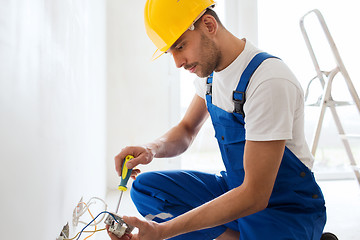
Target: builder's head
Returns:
[[186, 29]]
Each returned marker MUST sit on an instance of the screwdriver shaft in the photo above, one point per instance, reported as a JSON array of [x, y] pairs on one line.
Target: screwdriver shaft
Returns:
[[118, 205]]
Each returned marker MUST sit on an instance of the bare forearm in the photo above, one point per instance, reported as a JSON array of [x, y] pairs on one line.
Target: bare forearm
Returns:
[[173, 143], [179, 138]]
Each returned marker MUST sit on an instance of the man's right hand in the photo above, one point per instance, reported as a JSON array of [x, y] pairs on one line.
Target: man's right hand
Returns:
[[141, 154]]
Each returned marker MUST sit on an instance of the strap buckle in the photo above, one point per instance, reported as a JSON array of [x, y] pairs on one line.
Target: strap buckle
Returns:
[[208, 88], [209, 84], [239, 100]]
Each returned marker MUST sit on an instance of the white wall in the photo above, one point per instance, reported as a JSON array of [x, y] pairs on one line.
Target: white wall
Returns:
[[242, 19], [142, 95], [52, 113]]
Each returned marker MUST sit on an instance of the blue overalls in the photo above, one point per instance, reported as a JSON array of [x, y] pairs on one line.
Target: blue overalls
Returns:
[[296, 208]]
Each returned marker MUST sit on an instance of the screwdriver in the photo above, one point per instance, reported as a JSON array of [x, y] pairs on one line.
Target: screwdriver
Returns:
[[125, 175]]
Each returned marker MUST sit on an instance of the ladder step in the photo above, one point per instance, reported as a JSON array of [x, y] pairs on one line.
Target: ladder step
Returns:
[[344, 136], [340, 103], [330, 103], [313, 104]]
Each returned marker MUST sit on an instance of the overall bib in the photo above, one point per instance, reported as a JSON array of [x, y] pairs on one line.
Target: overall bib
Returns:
[[296, 209]]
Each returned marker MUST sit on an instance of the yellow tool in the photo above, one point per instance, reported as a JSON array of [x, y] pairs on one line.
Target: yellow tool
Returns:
[[125, 175]]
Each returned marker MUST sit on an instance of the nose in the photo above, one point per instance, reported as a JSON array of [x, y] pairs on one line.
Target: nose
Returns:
[[178, 59]]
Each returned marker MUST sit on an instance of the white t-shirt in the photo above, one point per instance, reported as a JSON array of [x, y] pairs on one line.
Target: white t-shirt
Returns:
[[274, 106]]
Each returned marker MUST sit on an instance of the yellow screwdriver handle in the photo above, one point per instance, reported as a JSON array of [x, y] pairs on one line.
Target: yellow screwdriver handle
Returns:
[[125, 174]]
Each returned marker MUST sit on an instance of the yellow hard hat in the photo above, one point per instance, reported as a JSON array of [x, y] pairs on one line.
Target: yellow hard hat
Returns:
[[167, 20]]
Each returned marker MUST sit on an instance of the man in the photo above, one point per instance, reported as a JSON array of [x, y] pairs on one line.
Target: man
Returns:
[[256, 105]]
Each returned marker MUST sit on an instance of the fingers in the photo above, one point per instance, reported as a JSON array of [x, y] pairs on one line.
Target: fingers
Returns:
[[133, 221], [124, 237], [120, 158], [141, 156], [147, 230], [114, 237], [134, 173]]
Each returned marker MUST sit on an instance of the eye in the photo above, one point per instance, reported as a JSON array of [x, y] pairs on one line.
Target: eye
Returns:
[[180, 46]]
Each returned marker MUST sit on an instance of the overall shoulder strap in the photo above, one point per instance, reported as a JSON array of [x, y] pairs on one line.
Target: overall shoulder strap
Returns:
[[239, 93], [209, 88]]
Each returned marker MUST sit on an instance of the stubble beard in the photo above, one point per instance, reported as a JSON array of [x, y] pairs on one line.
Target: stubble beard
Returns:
[[210, 55]]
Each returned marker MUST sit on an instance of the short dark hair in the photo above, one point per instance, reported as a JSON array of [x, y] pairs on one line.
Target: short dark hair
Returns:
[[211, 12]]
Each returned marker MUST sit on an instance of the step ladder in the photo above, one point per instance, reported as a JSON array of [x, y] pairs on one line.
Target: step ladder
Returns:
[[325, 100]]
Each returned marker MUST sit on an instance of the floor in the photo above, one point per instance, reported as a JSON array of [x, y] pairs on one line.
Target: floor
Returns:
[[342, 200], [343, 208]]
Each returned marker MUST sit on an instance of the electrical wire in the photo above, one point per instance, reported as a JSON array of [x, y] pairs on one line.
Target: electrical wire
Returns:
[[88, 209], [87, 205], [79, 234], [99, 230], [94, 222]]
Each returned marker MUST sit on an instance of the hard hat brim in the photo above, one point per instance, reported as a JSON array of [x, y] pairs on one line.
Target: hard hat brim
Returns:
[[157, 54]]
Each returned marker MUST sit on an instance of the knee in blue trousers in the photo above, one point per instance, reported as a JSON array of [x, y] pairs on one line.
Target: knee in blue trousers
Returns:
[[164, 195]]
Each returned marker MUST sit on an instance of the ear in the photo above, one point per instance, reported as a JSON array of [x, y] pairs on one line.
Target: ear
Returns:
[[210, 24]]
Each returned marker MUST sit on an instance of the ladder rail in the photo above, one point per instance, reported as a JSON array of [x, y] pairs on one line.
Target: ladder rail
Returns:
[[345, 142], [311, 50], [325, 98]]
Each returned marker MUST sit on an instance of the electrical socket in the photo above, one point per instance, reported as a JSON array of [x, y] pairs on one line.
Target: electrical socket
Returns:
[[65, 232], [117, 225], [79, 208]]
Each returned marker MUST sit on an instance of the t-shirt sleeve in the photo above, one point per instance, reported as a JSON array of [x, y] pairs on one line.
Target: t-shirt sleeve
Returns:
[[270, 109], [200, 87]]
